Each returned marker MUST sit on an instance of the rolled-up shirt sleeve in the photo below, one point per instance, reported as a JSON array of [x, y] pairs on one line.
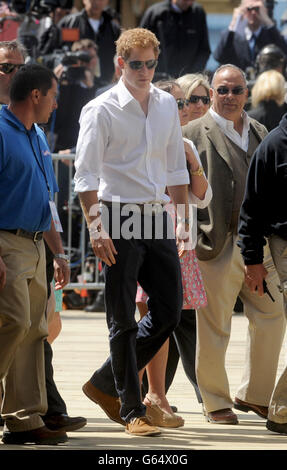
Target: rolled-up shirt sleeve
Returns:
[[177, 173], [91, 145]]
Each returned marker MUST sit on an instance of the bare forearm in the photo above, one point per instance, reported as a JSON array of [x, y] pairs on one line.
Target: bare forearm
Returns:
[[89, 203], [53, 240], [199, 184], [179, 197]]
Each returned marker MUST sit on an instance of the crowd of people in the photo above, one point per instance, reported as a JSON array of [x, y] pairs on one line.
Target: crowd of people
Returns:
[[182, 188]]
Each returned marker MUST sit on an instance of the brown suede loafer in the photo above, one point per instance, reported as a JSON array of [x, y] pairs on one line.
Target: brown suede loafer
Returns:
[[260, 410], [41, 436], [64, 422], [110, 405], [142, 427], [225, 416]]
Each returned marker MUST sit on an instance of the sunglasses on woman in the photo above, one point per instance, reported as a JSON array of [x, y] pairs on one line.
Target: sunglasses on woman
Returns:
[[196, 98], [9, 68], [181, 102], [139, 64]]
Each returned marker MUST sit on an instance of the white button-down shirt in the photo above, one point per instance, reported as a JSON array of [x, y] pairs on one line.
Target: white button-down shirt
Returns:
[[227, 128], [123, 153]]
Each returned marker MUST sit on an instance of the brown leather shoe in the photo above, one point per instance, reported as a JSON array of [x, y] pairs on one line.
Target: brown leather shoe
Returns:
[[141, 427], [110, 405], [64, 422], [43, 436], [260, 410], [225, 416]]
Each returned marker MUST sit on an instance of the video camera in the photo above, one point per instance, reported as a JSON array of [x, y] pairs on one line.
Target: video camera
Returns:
[[73, 73]]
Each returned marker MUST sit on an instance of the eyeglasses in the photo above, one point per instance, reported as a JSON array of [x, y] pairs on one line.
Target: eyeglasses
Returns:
[[9, 68], [196, 99], [181, 102], [223, 90], [253, 8], [139, 64]]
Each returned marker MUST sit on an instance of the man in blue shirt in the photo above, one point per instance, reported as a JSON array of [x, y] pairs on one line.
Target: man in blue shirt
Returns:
[[27, 186]]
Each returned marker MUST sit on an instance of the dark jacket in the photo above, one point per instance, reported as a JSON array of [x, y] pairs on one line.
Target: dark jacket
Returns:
[[268, 113], [108, 33], [49, 40], [183, 37], [234, 48], [263, 211]]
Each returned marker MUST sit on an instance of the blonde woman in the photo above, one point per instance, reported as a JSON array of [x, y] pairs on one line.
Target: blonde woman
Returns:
[[195, 87], [268, 99]]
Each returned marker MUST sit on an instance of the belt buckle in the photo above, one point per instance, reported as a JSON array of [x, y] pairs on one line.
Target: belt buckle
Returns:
[[35, 238]]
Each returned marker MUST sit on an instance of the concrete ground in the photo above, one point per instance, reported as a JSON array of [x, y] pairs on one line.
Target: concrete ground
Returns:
[[82, 347]]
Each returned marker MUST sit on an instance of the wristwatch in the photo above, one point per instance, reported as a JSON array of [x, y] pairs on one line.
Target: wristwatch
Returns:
[[198, 172], [62, 256]]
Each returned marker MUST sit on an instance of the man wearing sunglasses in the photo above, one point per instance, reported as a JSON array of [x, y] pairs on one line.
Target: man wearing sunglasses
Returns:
[[250, 30], [226, 138], [130, 147], [12, 57]]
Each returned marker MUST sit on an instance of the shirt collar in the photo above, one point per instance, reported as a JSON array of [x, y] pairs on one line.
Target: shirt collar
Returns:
[[125, 96], [249, 33], [226, 123]]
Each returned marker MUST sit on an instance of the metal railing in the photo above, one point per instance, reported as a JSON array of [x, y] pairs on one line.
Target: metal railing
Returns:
[[78, 255]]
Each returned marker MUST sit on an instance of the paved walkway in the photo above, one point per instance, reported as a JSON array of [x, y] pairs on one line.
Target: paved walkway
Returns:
[[82, 347]]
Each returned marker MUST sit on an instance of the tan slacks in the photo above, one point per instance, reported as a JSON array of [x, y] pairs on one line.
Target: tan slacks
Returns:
[[223, 279], [278, 404], [22, 329]]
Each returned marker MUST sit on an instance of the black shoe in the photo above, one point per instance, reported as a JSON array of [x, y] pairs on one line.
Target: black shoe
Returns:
[[98, 305], [73, 301], [41, 435], [64, 422], [281, 428]]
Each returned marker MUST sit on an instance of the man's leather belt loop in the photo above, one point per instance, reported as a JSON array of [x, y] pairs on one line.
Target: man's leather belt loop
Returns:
[[35, 236]]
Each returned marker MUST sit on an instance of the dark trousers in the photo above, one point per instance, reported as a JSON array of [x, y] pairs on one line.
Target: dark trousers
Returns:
[[182, 344], [56, 404], [155, 265]]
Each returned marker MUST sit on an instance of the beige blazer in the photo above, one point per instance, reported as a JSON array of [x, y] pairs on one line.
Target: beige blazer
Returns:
[[213, 147]]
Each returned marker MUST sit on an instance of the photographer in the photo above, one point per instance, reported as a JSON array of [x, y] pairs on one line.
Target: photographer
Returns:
[[249, 31], [75, 80], [98, 23], [49, 34]]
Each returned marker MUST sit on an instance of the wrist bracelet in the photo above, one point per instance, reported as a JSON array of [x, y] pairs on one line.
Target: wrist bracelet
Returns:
[[198, 172]]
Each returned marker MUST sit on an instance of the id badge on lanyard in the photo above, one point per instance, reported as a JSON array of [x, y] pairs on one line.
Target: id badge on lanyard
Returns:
[[53, 208], [55, 217]]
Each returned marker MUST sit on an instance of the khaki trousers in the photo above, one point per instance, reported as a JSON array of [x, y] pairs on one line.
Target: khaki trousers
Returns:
[[22, 330], [278, 405], [223, 279]]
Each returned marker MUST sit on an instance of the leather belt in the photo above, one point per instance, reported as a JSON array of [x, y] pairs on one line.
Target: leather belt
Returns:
[[35, 236], [148, 208]]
